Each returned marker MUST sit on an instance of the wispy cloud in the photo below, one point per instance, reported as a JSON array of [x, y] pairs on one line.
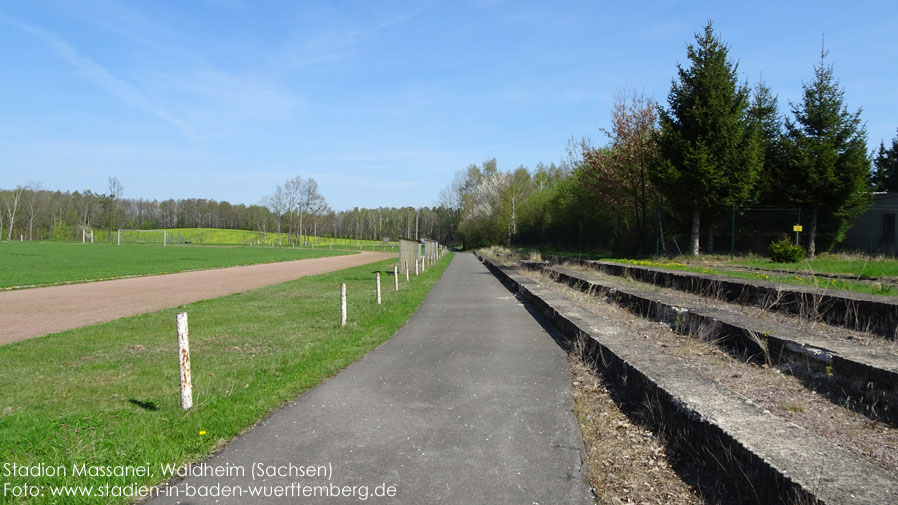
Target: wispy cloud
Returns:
[[100, 75]]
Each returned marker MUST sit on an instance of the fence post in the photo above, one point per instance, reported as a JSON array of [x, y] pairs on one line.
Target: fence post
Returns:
[[119, 238], [343, 304], [416, 267], [396, 277], [406, 271], [184, 355], [377, 277], [872, 223], [164, 237], [733, 234]]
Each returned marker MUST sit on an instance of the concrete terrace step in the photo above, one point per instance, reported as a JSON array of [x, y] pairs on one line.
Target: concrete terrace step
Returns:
[[851, 360], [781, 461], [858, 311]]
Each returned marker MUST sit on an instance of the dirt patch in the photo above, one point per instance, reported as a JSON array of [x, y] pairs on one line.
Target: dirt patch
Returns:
[[33, 312], [627, 462]]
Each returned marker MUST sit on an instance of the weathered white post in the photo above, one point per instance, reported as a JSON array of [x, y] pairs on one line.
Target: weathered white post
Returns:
[[184, 355], [343, 304], [377, 277], [406, 271], [91, 236], [395, 277], [164, 238], [83, 235], [416, 266], [119, 241]]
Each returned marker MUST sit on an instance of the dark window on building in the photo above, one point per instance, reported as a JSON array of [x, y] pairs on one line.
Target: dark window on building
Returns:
[[888, 227]]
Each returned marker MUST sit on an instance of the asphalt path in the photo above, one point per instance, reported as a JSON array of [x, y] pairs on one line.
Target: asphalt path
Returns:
[[469, 403]]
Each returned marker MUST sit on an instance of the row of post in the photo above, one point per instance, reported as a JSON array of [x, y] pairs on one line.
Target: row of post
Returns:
[[343, 309], [183, 333]]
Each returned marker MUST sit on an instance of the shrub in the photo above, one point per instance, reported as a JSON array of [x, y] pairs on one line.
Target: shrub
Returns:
[[784, 251]]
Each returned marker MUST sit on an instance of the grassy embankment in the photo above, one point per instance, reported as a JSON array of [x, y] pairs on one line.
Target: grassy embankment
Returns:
[[48, 263], [109, 394]]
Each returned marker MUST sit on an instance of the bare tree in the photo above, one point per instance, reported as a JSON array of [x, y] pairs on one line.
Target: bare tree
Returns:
[[518, 186], [619, 173], [292, 189], [319, 210], [309, 198], [12, 207], [33, 206], [277, 203]]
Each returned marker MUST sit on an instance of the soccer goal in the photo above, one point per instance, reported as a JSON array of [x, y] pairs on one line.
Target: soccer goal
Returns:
[[157, 237]]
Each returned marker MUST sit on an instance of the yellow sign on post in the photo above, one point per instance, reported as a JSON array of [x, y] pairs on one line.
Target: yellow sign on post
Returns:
[[797, 228]]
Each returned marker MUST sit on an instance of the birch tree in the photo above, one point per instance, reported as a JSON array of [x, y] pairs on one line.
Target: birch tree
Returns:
[[12, 208]]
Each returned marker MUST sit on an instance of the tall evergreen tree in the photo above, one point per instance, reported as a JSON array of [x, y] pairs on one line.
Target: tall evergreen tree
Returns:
[[710, 153], [766, 121], [885, 168], [827, 165]]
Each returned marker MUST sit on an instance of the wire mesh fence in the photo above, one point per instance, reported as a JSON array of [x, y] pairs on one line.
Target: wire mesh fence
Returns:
[[750, 230]]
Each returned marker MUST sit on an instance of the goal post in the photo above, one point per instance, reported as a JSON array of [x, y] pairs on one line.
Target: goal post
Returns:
[[145, 237]]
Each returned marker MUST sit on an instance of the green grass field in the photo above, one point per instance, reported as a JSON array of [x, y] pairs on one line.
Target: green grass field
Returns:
[[799, 277], [48, 263], [219, 236], [109, 394], [831, 264]]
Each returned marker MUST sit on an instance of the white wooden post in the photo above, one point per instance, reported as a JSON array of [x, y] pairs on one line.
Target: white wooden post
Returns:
[[119, 240], [91, 236], [377, 277], [396, 277], [416, 266], [83, 235], [406, 271], [184, 355], [343, 304], [164, 238]]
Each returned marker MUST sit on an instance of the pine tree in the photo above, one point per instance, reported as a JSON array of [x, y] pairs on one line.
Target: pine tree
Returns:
[[827, 163], [710, 153], [766, 121], [885, 168]]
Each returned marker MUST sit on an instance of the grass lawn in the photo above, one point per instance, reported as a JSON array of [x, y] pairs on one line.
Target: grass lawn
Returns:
[[831, 264], [222, 236], [47, 263], [799, 277], [108, 394]]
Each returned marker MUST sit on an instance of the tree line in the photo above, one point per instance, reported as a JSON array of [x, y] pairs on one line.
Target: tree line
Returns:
[[294, 210], [717, 148]]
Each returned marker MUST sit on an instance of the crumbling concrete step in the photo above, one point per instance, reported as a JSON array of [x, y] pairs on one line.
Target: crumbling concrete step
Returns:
[[868, 365], [780, 461], [858, 311]]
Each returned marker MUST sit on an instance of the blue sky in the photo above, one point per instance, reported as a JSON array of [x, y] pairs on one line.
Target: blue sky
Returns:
[[380, 102]]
